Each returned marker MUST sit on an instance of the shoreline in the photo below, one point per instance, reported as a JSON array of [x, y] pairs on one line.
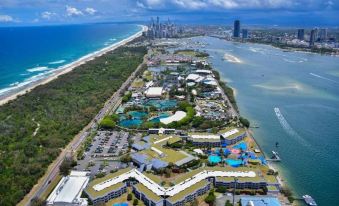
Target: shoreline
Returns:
[[70, 67]]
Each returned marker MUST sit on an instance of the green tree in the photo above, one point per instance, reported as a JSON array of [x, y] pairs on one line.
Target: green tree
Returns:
[[135, 202], [210, 199], [129, 197], [244, 122], [66, 166], [107, 123], [228, 203]]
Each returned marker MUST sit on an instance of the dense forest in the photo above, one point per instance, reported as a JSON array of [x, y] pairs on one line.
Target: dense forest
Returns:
[[62, 108]]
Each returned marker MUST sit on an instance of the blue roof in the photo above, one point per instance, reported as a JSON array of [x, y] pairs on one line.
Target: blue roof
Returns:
[[260, 201], [140, 146], [140, 158], [158, 164], [146, 138]]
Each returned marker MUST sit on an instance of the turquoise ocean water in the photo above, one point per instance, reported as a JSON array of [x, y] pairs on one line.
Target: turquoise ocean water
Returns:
[[29, 54], [305, 89]]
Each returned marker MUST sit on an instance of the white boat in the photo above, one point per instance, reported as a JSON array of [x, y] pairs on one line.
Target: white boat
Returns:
[[309, 200]]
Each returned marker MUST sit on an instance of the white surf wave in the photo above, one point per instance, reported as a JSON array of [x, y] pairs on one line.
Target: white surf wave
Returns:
[[58, 62], [17, 85], [324, 78], [38, 69], [288, 129]]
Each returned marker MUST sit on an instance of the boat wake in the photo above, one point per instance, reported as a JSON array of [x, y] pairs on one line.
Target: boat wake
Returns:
[[288, 129], [324, 78]]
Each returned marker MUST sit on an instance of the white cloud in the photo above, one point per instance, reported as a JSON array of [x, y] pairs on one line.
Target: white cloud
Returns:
[[47, 15], [90, 11], [191, 4], [6, 18], [72, 11], [141, 5], [220, 4]]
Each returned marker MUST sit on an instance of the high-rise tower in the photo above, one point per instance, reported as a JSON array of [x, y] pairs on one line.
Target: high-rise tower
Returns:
[[236, 30]]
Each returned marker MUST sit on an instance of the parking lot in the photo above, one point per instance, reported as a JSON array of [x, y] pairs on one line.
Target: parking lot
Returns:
[[104, 152]]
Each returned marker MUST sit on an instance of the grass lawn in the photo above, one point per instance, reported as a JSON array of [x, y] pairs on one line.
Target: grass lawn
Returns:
[[138, 83], [147, 75], [123, 198]]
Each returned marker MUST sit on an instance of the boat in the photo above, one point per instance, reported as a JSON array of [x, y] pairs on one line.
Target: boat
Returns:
[[275, 155], [309, 200]]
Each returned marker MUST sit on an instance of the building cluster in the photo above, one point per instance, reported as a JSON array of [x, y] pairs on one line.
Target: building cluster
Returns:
[[162, 107], [157, 29], [237, 32]]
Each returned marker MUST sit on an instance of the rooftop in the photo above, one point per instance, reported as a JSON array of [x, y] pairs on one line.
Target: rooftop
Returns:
[[232, 133], [101, 186], [154, 92], [69, 189], [95, 190], [151, 195]]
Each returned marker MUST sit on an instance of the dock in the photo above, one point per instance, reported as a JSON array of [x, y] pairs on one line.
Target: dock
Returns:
[[275, 157]]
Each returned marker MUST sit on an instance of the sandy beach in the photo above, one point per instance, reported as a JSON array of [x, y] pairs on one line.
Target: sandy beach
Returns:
[[69, 67], [231, 58]]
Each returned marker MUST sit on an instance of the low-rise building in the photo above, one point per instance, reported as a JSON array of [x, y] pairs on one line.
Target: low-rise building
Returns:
[[204, 139], [233, 136], [154, 92], [104, 194], [69, 189]]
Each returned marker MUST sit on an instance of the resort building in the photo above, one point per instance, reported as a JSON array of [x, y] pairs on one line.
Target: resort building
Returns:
[[204, 139], [145, 188], [242, 183], [69, 189], [147, 196], [233, 136], [154, 92], [97, 190], [161, 131], [189, 194]]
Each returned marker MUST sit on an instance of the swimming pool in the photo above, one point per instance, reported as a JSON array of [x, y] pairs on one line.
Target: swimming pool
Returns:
[[130, 122], [137, 114], [233, 163], [121, 204], [241, 145], [162, 104], [160, 116], [214, 159]]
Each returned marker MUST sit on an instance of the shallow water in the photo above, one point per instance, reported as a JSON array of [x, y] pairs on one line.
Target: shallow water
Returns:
[[305, 88]]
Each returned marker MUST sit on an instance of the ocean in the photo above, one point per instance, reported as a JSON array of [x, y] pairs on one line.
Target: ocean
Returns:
[[304, 87], [30, 54]]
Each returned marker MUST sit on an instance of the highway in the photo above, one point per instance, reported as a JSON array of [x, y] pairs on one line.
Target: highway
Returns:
[[75, 144]]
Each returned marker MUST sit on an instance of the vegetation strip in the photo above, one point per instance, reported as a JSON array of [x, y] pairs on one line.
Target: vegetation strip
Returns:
[[62, 107]]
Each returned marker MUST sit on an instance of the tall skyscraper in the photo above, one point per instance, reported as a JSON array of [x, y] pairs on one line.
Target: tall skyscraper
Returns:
[[244, 33], [323, 35], [313, 37], [236, 30], [301, 34]]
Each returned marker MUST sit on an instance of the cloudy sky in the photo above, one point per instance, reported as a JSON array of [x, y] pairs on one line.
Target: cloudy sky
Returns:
[[262, 12]]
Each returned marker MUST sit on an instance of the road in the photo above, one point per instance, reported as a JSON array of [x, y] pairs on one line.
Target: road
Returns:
[[75, 144]]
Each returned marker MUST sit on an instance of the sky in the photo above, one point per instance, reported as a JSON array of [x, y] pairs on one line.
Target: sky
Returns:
[[252, 12]]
